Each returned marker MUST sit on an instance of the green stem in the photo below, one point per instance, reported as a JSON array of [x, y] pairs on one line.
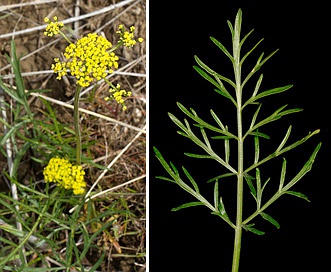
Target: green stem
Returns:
[[65, 37], [109, 83], [77, 127], [240, 172], [120, 43], [240, 187]]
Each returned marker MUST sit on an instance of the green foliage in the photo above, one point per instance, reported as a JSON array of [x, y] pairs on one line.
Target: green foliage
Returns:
[[220, 132], [34, 217]]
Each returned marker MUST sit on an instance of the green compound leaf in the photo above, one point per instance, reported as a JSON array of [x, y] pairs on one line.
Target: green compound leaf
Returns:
[[187, 205], [270, 219]]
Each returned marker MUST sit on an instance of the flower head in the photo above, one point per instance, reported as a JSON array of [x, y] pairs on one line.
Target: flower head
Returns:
[[66, 175], [87, 60], [118, 94], [52, 28], [126, 37]]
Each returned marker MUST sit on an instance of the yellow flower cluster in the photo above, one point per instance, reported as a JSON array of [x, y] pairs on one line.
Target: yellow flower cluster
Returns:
[[126, 37], [118, 94], [66, 175], [87, 60], [52, 28]]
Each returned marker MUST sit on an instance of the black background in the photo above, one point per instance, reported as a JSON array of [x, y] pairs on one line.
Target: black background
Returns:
[[192, 239]]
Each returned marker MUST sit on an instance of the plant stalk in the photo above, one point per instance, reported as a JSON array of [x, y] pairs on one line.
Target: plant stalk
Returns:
[[240, 172], [240, 188], [77, 127]]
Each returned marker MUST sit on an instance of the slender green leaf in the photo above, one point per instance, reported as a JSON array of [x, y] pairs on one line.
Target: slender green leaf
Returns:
[[177, 122], [198, 156], [286, 149], [196, 188], [164, 178], [298, 194], [282, 175], [19, 156], [265, 184], [5, 241], [249, 52], [270, 219], [221, 208], [212, 81], [255, 116], [216, 196], [250, 185], [222, 47], [285, 139], [256, 148], [199, 121], [29, 92], [221, 211], [221, 176], [278, 90], [163, 162], [174, 168], [17, 71], [97, 264], [227, 149], [260, 134], [254, 230], [305, 169], [11, 229], [236, 37], [258, 65], [218, 121], [257, 87], [183, 134], [205, 138], [88, 242], [12, 130], [273, 91], [275, 116], [221, 137], [231, 27], [214, 74], [12, 94], [187, 205]]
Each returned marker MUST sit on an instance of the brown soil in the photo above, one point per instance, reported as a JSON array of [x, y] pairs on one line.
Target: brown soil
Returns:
[[37, 53]]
